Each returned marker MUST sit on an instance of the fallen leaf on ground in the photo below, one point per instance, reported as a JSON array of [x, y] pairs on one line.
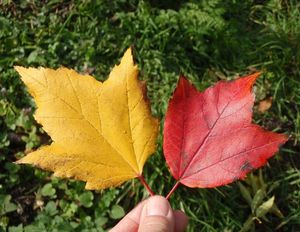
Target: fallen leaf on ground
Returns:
[[264, 105]]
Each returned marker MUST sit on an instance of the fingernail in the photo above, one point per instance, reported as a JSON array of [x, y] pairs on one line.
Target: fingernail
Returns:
[[158, 206]]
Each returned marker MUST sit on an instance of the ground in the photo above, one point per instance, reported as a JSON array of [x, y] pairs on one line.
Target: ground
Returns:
[[207, 41]]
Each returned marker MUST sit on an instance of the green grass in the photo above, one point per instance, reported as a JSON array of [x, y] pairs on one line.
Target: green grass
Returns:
[[206, 41]]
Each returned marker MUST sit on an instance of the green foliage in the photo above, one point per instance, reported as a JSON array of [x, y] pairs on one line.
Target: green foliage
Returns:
[[117, 212], [254, 193], [206, 41]]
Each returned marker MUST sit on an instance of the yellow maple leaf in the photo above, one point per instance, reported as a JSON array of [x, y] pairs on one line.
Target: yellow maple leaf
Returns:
[[102, 133]]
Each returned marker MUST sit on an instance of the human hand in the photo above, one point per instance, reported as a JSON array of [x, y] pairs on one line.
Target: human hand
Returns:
[[153, 215]]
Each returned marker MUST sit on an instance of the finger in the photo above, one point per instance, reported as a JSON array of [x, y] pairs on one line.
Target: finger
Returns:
[[181, 221], [157, 216], [130, 223]]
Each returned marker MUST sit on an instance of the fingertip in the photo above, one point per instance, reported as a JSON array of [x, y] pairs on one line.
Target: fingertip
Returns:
[[157, 216], [181, 221], [157, 205]]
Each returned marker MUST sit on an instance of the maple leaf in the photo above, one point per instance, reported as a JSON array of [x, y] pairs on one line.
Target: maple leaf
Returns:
[[209, 139], [102, 133]]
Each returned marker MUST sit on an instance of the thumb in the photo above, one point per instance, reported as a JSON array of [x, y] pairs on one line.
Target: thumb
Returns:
[[157, 216]]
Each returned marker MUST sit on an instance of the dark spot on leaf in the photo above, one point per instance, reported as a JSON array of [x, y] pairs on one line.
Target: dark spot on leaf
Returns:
[[185, 159], [246, 166], [235, 178]]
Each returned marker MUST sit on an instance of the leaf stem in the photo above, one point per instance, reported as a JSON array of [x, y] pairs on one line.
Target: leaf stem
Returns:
[[172, 190], [143, 181]]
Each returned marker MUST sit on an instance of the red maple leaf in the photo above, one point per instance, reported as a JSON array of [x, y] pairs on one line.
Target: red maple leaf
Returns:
[[209, 139]]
